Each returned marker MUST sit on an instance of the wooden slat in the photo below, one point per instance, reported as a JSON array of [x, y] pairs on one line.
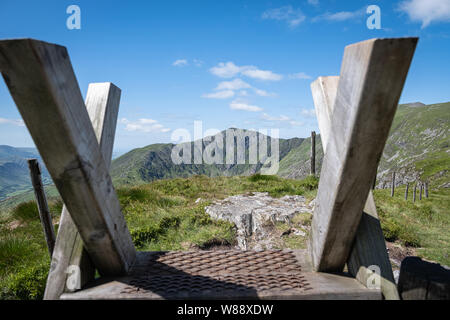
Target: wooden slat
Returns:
[[102, 103], [372, 77], [43, 85], [369, 247]]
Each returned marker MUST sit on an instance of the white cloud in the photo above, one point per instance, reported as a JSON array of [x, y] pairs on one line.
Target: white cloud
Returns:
[[264, 93], [313, 2], [427, 11], [180, 63], [219, 95], [15, 122], [340, 16], [229, 70], [235, 84], [267, 117], [255, 73], [299, 75], [309, 113], [225, 70], [144, 125], [239, 105], [292, 16], [243, 93]]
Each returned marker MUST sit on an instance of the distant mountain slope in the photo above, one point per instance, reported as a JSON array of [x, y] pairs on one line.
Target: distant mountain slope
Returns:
[[155, 162], [418, 146], [14, 174]]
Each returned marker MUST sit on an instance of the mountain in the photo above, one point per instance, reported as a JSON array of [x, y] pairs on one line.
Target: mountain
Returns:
[[417, 148], [14, 174], [155, 161]]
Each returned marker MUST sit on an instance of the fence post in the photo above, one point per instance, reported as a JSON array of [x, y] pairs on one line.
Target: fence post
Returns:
[[420, 193], [414, 193], [44, 212], [393, 184], [313, 153], [406, 191]]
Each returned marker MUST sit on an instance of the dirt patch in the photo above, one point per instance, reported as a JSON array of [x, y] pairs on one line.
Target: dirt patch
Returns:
[[14, 225], [397, 253]]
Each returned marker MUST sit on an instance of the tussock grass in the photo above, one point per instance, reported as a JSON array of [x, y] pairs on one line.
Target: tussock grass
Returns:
[[424, 224], [162, 215]]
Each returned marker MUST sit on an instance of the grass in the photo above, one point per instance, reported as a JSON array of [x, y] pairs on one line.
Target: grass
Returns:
[[424, 224], [170, 215], [162, 215]]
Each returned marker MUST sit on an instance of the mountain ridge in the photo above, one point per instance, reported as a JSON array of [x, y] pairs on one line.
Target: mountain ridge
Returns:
[[417, 149]]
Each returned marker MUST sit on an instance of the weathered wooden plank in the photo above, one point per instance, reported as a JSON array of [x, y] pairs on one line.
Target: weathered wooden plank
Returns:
[[369, 253], [44, 212], [102, 103], [43, 85], [369, 247], [372, 77], [423, 280]]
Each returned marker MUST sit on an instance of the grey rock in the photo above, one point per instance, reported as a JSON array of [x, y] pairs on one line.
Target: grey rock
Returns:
[[256, 214]]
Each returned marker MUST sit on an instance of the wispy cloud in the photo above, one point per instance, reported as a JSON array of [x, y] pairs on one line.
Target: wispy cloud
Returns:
[[198, 62], [313, 2], [255, 73], [15, 122], [235, 84], [296, 123], [240, 105], [281, 119], [293, 17], [299, 75], [340, 16], [426, 11], [226, 89], [144, 125], [180, 63], [229, 70], [264, 93], [225, 70], [308, 113], [219, 95], [267, 117]]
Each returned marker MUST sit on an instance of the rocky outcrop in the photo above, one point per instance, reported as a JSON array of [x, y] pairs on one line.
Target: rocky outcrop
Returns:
[[256, 214]]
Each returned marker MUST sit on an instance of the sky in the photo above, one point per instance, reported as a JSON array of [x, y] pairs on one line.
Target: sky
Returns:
[[243, 64]]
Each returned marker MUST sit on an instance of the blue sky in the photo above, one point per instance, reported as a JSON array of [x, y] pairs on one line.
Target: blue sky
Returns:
[[245, 64]]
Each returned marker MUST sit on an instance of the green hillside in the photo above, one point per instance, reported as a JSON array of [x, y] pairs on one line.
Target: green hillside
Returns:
[[14, 174], [418, 147], [154, 162]]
